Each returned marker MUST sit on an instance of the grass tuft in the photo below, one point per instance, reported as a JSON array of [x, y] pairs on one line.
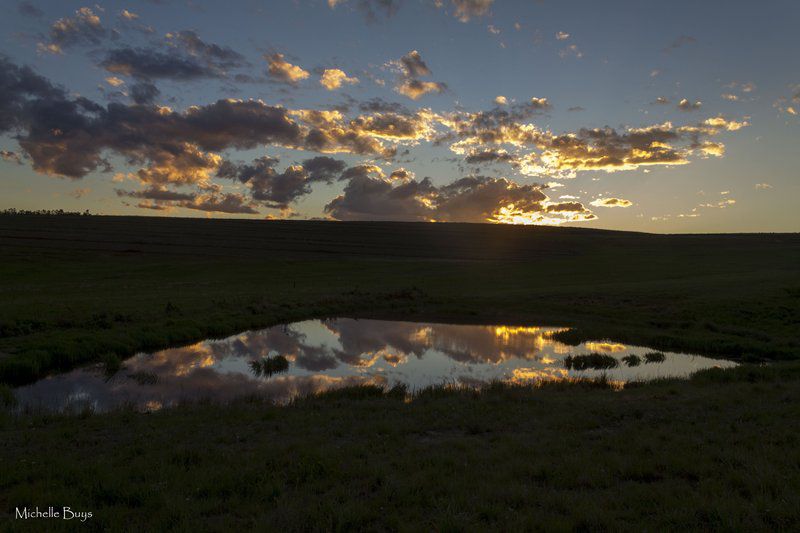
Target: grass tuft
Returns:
[[654, 357], [267, 366], [593, 361]]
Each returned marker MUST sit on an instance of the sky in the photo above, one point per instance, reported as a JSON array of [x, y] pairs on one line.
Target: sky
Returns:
[[680, 117]]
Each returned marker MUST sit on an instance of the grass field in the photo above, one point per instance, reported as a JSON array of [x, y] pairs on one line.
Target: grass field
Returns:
[[76, 289], [715, 452]]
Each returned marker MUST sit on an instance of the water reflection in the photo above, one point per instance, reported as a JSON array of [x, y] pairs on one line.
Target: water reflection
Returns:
[[324, 354]]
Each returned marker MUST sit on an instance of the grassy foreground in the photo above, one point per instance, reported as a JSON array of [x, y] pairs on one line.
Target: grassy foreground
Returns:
[[720, 452], [717, 452]]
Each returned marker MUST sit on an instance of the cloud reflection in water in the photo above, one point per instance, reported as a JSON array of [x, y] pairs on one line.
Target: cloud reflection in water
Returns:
[[325, 354]]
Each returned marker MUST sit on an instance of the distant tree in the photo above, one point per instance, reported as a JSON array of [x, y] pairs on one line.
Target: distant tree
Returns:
[[57, 212]]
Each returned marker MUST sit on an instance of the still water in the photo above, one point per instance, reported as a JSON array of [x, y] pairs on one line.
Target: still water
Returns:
[[325, 354]]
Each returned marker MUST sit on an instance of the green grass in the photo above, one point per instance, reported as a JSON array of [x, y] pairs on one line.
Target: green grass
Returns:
[[716, 452]]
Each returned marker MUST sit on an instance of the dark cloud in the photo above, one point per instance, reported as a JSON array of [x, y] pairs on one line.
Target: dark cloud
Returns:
[[161, 199], [66, 136], [565, 206], [470, 199], [156, 193], [146, 63], [367, 198], [491, 155], [144, 92], [275, 189], [413, 65], [220, 57], [361, 171], [183, 57], [379, 105], [220, 203], [479, 199], [323, 168]]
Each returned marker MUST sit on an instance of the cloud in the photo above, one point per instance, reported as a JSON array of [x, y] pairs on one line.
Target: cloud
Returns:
[[467, 9], [562, 36], [611, 202], [763, 186], [213, 55], [686, 105], [330, 132], [661, 100], [394, 126], [378, 105], [492, 155], [471, 199], [158, 193], [333, 78], [185, 57], [500, 100], [149, 64], [144, 92], [283, 71], [67, 136], [84, 28], [114, 81], [220, 203], [416, 89], [366, 198], [413, 67], [789, 105], [363, 170], [269, 187], [323, 168], [543, 153], [10, 157]]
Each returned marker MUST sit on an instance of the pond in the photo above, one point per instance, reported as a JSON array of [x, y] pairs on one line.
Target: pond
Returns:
[[325, 354]]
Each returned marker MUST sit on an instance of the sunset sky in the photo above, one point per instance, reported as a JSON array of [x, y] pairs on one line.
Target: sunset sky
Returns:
[[661, 117]]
